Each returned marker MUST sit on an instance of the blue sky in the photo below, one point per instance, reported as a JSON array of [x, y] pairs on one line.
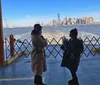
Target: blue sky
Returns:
[[28, 12]]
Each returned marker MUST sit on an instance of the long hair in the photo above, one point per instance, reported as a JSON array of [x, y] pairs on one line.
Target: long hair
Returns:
[[37, 29], [33, 32]]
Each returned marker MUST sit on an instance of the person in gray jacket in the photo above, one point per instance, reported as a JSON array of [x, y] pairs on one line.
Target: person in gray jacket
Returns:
[[38, 58], [71, 57]]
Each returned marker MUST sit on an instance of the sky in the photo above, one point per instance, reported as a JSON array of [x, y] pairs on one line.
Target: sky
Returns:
[[29, 12]]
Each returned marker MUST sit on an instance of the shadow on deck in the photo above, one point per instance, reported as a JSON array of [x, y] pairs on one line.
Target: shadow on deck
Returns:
[[19, 73]]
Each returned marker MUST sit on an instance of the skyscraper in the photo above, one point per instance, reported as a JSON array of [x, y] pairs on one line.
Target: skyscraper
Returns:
[[58, 17], [58, 21]]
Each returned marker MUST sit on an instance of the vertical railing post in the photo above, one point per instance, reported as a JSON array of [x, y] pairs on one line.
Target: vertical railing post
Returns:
[[1, 38], [12, 40]]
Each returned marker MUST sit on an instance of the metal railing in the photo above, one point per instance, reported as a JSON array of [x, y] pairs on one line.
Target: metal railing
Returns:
[[91, 47]]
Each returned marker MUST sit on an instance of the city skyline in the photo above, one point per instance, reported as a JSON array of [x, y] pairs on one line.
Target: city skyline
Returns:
[[58, 22], [28, 12], [72, 21]]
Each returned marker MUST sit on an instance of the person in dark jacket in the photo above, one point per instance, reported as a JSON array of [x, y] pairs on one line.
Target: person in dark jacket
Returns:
[[71, 57], [38, 58]]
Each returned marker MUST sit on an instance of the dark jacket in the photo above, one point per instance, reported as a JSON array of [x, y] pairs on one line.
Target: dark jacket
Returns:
[[71, 56]]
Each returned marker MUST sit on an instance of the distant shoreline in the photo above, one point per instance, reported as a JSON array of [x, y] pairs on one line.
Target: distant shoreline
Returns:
[[58, 26]]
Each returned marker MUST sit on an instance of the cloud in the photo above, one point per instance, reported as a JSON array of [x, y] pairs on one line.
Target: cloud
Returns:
[[29, 20]]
